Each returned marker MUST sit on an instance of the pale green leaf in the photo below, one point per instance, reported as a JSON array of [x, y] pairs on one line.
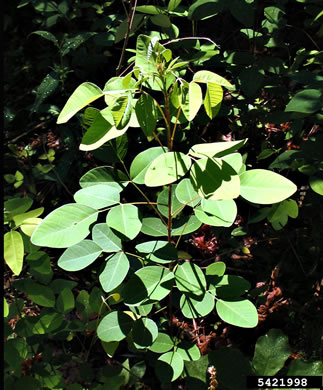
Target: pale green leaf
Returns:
[[144, 333], [196, 307], [104, 175], [29, 225], [217, 212], [125, 219], [65, 226], [103, 236], [157, 251], [169, 366], [98, 196], [213, 99], [84, 94], [163, 343], [13, 251], [115, 271], [167, 168], [265, 187], [20, 218], [115, 326], [240, 312], [186, 193], [79, 256], [190, 279], [216, 149], [192, 100], [205, 76]]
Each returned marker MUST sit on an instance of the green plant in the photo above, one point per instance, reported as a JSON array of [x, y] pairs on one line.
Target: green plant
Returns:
[[195, 187], [180, 191]]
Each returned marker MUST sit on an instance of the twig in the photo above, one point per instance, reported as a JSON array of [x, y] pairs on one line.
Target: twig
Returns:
[[127, 36]]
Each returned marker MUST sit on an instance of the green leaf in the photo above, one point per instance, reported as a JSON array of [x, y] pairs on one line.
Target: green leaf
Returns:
[[185, 193], [65, 302], [243, 11], [215, 179], [144, 333], [213, 99], [230, 286], [79, 256], [98, 196], [265, 187], [215, 269], [188, 351], [169, 366], [109, 348], [37, 293], [204, 9], [142, 161], [205, 76], [150, 9], [104, 175], [271, 352], [216, 149], [147, 113], [65, 226], [167, 168], [151, 282], [299, 367], [84, 94], [29, 225], [279, 213], [162, 202], [5, 308], [115, 326], [161, 20], [240, 312], [173, 4], [15, 206], [316, 183], [163, 343], [217, 212], [190, 279], [40, 266], [46, 88], [161, 252], [46, 35], [13, 251], [307, 101], [121, 111], [115, 271], [191, 100], [74, 41], [20, 218], [196, 307], [103, 236], [125, 219], [155, 227]]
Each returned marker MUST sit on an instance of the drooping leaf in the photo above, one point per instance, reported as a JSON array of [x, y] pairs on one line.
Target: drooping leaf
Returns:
[[239, 312], [98, 196], [271, 352], [196, 307], [79, 256], [142, 161], [265, 187], [125, 219], [84, 94], [150, 282], [167, 168], [20, 218], [213, 99], [13, 251], [115, 326], [65, 226], [216, 149], [46, 35], [192, 100], [115, 271], [204, 9], [147, 114], [46, 88], [169, 366], [144, 333], [103, 236], [190, 279]]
